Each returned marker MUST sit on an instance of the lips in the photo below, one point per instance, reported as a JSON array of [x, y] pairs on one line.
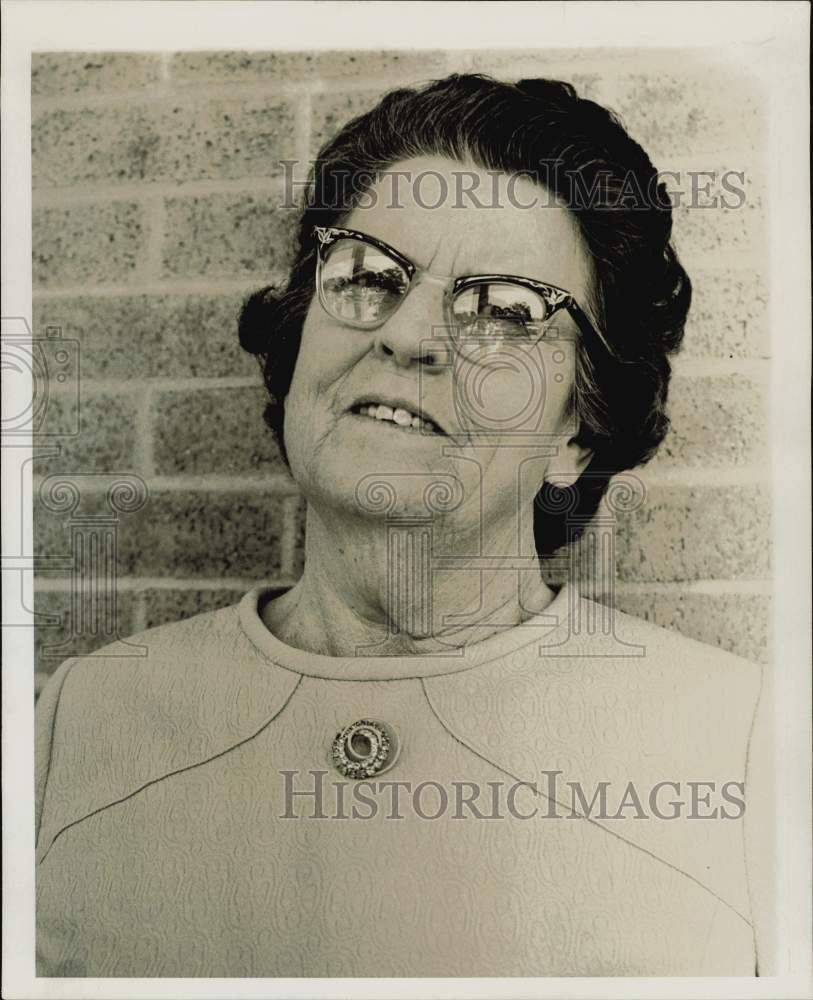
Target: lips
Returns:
[[394, 410]]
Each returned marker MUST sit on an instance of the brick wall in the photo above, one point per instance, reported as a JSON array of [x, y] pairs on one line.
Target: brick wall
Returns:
[[156, 208]]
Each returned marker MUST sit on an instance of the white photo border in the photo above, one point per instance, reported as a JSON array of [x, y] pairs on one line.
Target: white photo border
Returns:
[[772, 41]]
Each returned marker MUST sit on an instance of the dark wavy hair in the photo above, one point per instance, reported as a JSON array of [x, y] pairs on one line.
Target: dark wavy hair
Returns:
[[581, 153]]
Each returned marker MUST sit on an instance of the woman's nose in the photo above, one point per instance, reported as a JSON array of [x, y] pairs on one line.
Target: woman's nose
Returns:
[[416, 331]]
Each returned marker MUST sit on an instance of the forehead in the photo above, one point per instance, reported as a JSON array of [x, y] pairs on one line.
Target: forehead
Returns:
[[457, 218]]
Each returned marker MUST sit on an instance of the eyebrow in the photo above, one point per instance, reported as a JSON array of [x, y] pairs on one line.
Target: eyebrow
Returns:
[[468, 273]]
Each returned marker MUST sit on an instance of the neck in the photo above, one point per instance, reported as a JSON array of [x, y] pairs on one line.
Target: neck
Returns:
[[369, 589]]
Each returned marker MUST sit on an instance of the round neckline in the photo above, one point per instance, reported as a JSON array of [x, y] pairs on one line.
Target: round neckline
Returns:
[[398, 666]]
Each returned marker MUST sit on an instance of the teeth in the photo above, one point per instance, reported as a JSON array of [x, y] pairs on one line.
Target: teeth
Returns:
[[399, 416]]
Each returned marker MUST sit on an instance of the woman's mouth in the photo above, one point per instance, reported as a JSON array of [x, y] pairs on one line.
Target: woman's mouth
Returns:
[[398, 417]]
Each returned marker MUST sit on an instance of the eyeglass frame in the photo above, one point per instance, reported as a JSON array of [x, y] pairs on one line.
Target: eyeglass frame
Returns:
[[555, 298]]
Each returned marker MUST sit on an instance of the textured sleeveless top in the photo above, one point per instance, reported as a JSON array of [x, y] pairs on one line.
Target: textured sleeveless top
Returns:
[[566, 800]]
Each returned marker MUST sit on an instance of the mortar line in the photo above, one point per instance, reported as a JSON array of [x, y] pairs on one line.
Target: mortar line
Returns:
[[137, 585], [59, 196], [274, 484], [217, 284], [757, 369], [155, 217], [145, 459]]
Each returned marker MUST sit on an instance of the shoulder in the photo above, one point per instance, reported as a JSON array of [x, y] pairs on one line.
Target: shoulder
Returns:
[[160, 701], [591, 646], [207, 656], [603, 684], [665, 645], [692, 687], [661, 659], [608, 700], [148, 663]]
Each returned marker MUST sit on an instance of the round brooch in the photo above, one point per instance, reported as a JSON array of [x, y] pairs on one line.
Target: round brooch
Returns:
[[364, 749]]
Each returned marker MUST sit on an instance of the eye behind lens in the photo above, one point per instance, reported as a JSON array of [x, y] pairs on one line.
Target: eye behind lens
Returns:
[[500, 311], [360, 283]]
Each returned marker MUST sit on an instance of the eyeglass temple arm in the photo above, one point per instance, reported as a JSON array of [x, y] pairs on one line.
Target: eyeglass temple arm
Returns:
[[587, 329]]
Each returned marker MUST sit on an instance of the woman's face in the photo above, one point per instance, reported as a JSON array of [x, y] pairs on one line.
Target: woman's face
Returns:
[[501, 415]]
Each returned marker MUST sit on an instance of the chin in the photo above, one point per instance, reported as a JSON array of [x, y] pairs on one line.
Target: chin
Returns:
[[376, 495], [376, 473]]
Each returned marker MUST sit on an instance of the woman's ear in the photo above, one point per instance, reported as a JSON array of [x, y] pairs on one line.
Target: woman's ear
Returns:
[[566, 467]]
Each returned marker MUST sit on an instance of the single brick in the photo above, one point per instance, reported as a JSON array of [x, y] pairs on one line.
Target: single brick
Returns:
[[238, 67], [226, 234], [183, 533], [213, 431], [182, 141], [147, 336], [92, 72], [56, 642], [107, 437], [203, 533], [691, 533], [222, 138], [715, 421], [91, 244], [213, 67], [728, 316], [739, 623], [92, 145]]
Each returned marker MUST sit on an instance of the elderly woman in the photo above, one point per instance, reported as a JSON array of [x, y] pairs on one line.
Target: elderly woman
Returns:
[[423, 759]]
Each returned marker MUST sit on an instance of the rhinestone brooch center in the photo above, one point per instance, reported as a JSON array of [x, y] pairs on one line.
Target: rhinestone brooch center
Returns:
[[364, 749]]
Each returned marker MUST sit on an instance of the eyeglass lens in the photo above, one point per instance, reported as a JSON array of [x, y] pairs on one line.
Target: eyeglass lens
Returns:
[[360, 283]]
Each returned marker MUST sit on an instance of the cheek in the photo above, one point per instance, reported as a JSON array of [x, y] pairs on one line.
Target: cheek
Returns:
[[308, 372], [516, 390], [324, 357], [327, 355]]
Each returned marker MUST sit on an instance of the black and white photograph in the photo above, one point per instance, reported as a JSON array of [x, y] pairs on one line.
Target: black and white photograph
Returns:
[[406, 499]]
